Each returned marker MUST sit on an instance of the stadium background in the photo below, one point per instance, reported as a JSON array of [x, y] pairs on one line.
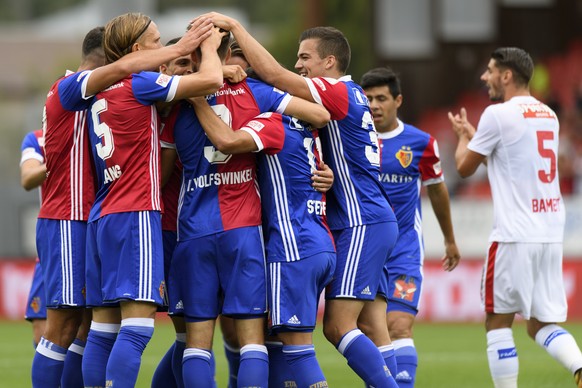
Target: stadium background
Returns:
[[439, 48]]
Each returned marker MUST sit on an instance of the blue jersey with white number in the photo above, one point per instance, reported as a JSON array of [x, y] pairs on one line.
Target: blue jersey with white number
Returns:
[[294, 213], [350, 148], [220, 192]]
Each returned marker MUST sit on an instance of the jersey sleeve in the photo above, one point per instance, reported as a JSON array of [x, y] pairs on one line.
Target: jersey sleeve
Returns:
[[330, 93], [30, 148], [268, 97], [72, 90], [430, 164], [168, 124], [487, 135], [150, 87], [267, 131]]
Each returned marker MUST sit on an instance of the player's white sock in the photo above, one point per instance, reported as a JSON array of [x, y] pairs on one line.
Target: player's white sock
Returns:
[[560, 344], [502, 355]]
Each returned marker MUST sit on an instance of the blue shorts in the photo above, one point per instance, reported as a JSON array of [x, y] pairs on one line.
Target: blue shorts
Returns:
[[125, 259], [294, 289], [36, 303], [223, 273], [61, 250], [169, 240], [403, 276], [362, 252]]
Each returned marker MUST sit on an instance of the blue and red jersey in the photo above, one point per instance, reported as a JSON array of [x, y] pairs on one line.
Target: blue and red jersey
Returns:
[[350, 148], [69, 190], [410, 159], [294, 213], [220, 192]]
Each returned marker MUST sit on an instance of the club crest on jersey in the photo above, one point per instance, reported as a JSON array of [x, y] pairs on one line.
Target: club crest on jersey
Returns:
[[404, 156], [163, 80], [404, 289]]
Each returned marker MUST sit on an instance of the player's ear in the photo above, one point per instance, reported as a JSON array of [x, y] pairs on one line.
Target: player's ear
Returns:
[[330, 62]]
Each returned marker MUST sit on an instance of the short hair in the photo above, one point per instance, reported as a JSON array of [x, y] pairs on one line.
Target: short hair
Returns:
[[222, 50], [173, 41], [331, 42], [235, 50], [122, 32], [382, 76], [517, 60], [93, 42]]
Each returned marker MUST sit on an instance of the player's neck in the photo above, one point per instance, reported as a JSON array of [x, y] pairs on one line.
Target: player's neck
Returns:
[[511, 92]]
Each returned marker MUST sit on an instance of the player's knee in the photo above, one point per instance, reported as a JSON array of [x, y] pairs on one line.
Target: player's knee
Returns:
[[400, 329]]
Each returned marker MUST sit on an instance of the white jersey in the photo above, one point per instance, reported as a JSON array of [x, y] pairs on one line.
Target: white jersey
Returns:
[[520, 140]]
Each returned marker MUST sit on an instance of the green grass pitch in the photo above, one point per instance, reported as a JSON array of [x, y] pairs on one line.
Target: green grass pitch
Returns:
[[450, 355]]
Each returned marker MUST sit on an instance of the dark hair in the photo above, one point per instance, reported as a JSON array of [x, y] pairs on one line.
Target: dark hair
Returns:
[[331, 42], [222, 49], [93, 42], [235, 50], [516, 60], [382, 76], [173, 41]]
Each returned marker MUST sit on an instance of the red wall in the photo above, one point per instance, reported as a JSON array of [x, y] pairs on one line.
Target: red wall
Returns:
[[446, 296]]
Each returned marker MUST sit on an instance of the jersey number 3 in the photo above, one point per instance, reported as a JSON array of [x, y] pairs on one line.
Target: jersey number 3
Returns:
[[546, 153]]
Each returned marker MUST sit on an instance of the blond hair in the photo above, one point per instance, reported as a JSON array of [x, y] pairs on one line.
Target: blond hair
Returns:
[[122, 32]]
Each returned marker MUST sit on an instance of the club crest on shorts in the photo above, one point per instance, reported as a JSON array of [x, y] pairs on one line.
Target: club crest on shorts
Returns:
[[35, 304], [404, 156], [404, 289], [162, 289]]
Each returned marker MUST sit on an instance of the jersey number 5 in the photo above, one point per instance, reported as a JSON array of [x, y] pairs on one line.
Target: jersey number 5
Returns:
[[106, 147], [546, 153]]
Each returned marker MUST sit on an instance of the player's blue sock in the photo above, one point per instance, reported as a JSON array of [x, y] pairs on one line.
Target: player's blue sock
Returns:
[[233, 358], [99, 344], [406, 361], [47, 364], [196, 368], [280, 375], [254, 366], [178, 357], [389, 357], [164, 374], [302, 362], [365, 359], [72, 371], [125, 358]]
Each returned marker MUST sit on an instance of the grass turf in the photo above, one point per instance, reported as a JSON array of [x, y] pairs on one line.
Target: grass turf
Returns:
[[450, 355]]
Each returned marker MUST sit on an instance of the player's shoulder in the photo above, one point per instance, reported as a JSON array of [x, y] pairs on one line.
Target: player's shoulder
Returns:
[[415, 131]]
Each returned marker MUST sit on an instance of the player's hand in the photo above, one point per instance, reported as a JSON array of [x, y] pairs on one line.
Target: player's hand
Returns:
[[198, 31], [233, 73], [213, 41], [452, 257], [461, 124], [322, 178], [219, 20]]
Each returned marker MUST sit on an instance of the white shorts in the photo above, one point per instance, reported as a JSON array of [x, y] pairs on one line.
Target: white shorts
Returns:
[[525, 278]]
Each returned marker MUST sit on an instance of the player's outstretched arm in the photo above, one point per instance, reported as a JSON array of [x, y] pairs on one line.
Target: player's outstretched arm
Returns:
[[264, 64], [310, 112], [220, 134], [439, 199], [137, 61]]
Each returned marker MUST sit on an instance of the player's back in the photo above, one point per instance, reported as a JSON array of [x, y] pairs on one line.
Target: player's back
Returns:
[[68, 191], [350, 147], [523, 171], [294, 213], [124, 132]]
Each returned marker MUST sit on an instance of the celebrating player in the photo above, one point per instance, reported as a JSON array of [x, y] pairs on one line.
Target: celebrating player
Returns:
[[518, 140]]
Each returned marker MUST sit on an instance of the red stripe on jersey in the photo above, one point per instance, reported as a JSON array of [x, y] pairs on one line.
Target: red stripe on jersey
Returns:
[[490, 277], [429, 165], [334, 96]]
